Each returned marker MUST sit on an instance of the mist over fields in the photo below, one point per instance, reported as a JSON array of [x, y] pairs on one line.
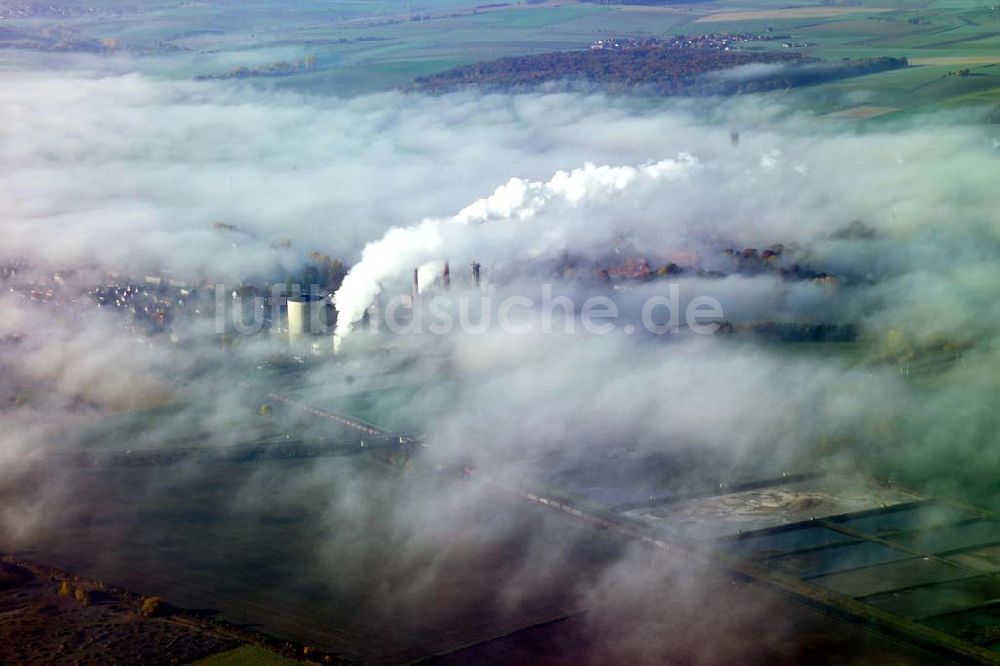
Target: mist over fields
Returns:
[[132, 174]]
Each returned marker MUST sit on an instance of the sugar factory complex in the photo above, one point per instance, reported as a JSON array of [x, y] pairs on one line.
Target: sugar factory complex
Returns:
[[302, 309]]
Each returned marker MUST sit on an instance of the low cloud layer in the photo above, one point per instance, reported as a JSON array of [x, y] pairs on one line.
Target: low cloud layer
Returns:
[[133, 174]]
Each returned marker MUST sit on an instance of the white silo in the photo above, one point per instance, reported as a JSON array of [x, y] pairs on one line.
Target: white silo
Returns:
[[305, 316]]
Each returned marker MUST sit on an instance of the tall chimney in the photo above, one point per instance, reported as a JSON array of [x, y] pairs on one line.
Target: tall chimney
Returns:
[[375, 313], [446, 276], [416, 289], [475, 274]]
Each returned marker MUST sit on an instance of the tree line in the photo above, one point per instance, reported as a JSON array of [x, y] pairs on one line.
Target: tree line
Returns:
[[651, 70]]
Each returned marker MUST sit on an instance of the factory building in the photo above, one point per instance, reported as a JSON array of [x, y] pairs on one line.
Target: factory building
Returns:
[[372, 318]]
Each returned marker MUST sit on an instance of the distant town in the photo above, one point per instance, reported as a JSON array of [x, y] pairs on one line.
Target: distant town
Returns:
[[712, 41]]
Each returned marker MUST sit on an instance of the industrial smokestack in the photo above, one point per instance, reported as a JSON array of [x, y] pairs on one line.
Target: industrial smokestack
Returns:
[[518, 199], [446, 276], [416, 288], [475, 275]]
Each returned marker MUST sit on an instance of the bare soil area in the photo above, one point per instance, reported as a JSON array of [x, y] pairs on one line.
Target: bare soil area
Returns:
[[48, 616]]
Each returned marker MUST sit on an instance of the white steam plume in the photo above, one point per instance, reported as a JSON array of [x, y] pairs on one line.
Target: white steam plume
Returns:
[[519, 199]]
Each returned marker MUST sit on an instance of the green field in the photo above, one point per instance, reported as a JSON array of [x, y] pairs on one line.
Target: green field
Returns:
[[369, 46], [248, 655]]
